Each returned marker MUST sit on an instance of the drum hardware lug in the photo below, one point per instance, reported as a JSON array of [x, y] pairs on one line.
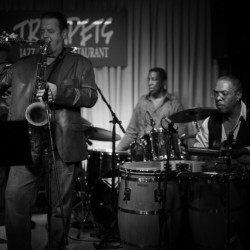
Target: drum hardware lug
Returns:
[[158, 194], [127, 191], [127, 194]]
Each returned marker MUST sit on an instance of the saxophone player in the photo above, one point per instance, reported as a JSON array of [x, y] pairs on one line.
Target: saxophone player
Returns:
[[70, 85]]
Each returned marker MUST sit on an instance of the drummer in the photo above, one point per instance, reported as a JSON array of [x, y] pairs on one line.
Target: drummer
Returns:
[[151, 108], [229, 124]]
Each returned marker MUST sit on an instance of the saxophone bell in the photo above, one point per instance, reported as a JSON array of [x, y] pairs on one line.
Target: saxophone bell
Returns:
[[36, 114]]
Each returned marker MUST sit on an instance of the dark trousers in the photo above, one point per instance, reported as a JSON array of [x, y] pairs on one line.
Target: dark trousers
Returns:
[[21, 191], [4, 170]]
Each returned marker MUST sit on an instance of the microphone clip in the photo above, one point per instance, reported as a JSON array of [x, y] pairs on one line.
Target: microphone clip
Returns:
[[152, 122], [172, 127]]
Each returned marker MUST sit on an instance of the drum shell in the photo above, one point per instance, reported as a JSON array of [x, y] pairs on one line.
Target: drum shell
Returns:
[[207, 211], [156, 145], [141, 149], [164, 144], [139, 217], [100, 163]]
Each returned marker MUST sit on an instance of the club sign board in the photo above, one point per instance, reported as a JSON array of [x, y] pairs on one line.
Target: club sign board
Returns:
[[101, 37]]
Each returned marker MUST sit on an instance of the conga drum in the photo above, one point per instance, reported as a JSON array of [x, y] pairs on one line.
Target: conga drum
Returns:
[[142, 225], [208, 208]]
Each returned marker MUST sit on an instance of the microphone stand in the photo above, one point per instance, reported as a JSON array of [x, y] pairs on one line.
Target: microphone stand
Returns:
[[229, 143], [114, 121], [163, 210], [51, 168]]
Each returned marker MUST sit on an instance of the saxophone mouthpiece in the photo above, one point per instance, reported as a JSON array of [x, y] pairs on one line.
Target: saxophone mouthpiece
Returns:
[[40, 41]]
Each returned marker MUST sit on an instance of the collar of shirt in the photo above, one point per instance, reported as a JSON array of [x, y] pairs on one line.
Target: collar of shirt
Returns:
[[243, 115], [166, 96], [243, 111]]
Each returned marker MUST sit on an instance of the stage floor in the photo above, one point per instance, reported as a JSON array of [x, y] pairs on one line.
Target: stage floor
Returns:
[[85, 232], [82, 236], [200, 217]]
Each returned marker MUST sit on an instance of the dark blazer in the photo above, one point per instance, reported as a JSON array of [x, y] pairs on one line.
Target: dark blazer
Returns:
[[76, 88]]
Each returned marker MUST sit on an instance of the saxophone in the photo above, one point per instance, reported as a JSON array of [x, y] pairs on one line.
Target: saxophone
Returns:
[[36, 112]]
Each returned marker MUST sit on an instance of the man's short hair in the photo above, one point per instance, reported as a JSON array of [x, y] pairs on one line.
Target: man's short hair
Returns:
[[62, 19], [234, 80], [161, 71]]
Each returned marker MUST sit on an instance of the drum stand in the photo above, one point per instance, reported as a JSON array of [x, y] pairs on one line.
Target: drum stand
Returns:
[[114, 121]]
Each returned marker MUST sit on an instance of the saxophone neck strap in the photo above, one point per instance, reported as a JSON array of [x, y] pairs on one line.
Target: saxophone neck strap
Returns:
[[56, 63]]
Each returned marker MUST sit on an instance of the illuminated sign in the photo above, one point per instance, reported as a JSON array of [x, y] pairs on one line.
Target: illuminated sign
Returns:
[[101, 37]]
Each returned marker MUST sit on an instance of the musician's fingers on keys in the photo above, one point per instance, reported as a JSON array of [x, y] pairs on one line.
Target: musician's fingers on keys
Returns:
[[49, 92]]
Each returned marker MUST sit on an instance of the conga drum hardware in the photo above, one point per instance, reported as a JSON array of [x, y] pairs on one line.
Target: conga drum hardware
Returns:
[[127, 190], [158, 194], [127, 193]]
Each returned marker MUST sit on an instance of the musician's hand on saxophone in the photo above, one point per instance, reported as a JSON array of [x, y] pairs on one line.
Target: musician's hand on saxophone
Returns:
[[48, 93]]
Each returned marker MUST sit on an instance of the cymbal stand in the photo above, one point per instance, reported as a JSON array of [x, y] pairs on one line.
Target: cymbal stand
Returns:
[[83, 206], [114, 195]]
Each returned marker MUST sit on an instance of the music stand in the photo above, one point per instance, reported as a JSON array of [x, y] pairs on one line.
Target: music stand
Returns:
[[15, 145]]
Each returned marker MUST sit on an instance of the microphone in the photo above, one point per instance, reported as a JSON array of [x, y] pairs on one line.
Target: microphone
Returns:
[[151, 119], [171, 125], [89, 142]]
